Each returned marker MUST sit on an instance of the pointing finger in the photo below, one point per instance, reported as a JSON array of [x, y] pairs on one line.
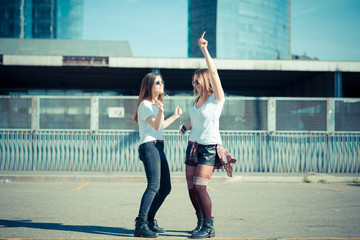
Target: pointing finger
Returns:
[[202, 36]]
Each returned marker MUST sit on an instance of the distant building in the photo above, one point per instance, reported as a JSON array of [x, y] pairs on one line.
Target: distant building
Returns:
[[70, 54], [241, 29], [41, 19]]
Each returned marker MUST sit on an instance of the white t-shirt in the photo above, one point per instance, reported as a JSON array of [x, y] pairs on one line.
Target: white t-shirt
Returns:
[[205, 122], [146, 131]]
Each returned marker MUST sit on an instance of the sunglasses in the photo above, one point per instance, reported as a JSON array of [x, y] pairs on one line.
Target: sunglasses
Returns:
[[196, 82], [158, 82]]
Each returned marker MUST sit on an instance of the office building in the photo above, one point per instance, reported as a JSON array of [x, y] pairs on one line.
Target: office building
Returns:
[[241, 29], [41, 19]]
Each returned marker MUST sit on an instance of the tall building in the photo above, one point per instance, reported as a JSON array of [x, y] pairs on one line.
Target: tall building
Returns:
[[241, 29], [69, 19], [41, 19]]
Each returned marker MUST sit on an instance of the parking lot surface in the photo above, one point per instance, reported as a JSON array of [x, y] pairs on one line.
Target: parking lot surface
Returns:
[[242, 210]]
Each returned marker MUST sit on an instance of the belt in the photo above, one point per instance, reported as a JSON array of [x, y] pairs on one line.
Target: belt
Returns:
[[160, 141]]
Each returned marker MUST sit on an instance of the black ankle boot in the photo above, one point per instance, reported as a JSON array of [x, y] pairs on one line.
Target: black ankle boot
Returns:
[[200, 218], [142, 229], [155, 227], [207, 230]]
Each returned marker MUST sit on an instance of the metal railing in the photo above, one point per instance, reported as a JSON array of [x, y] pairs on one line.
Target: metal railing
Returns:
[[97, 134]]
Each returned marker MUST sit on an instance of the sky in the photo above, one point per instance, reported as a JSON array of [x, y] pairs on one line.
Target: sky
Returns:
[[326, 29]]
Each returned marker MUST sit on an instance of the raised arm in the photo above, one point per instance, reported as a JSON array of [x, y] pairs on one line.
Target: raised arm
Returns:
[[156, 122], [215, 79]]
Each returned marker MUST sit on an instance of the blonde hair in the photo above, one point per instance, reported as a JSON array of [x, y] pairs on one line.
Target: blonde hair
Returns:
[[203, 77], [146, 91]]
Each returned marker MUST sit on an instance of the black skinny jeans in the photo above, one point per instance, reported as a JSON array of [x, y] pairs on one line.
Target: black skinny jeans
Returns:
[[158, 177]]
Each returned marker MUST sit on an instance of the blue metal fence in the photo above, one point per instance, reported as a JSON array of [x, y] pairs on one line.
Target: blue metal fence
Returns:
[[109, 151], [311, 142]]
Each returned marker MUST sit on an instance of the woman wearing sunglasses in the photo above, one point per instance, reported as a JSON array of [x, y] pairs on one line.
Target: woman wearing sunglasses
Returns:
[[149, 115], [205, 152]]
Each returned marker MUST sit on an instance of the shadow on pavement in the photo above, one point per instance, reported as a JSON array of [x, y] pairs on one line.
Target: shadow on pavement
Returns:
[[354, 184], [114, 231], [169, 233]]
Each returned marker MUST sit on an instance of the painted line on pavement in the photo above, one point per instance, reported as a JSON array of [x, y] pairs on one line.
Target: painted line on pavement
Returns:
[[326, 188], [79, 187], [211, 189]]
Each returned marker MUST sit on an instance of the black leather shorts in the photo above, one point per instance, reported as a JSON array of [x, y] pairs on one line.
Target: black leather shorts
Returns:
[[207, 155]]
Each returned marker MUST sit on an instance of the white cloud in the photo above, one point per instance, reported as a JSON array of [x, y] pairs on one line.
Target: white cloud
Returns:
[[316, 8]]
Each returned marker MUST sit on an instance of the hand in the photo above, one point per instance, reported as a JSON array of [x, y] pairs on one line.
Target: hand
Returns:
[[182, 130], [202, 42], [187, 128], [159, 105], [178, 111]]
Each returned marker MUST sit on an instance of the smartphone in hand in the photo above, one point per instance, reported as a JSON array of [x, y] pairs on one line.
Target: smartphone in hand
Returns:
[[183, 130]]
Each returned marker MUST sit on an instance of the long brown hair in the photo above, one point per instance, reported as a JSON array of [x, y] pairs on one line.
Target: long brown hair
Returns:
[[146, 92], [203, 77]]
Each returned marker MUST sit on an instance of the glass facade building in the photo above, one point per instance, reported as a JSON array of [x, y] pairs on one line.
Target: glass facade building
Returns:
[[69, 19], [41, 19], [241, 29]]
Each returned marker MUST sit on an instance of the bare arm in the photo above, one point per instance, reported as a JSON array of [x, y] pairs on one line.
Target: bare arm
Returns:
[[156, 122], [175, 116], [215, 79]]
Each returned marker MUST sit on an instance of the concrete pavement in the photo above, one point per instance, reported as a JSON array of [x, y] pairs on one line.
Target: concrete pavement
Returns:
[[250, 206]]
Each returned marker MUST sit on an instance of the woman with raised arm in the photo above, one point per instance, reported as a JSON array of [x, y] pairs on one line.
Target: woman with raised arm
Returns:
[[205, 152], [149, 115]]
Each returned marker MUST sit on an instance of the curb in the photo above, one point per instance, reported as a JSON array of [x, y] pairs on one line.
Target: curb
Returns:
[[177, 177]]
